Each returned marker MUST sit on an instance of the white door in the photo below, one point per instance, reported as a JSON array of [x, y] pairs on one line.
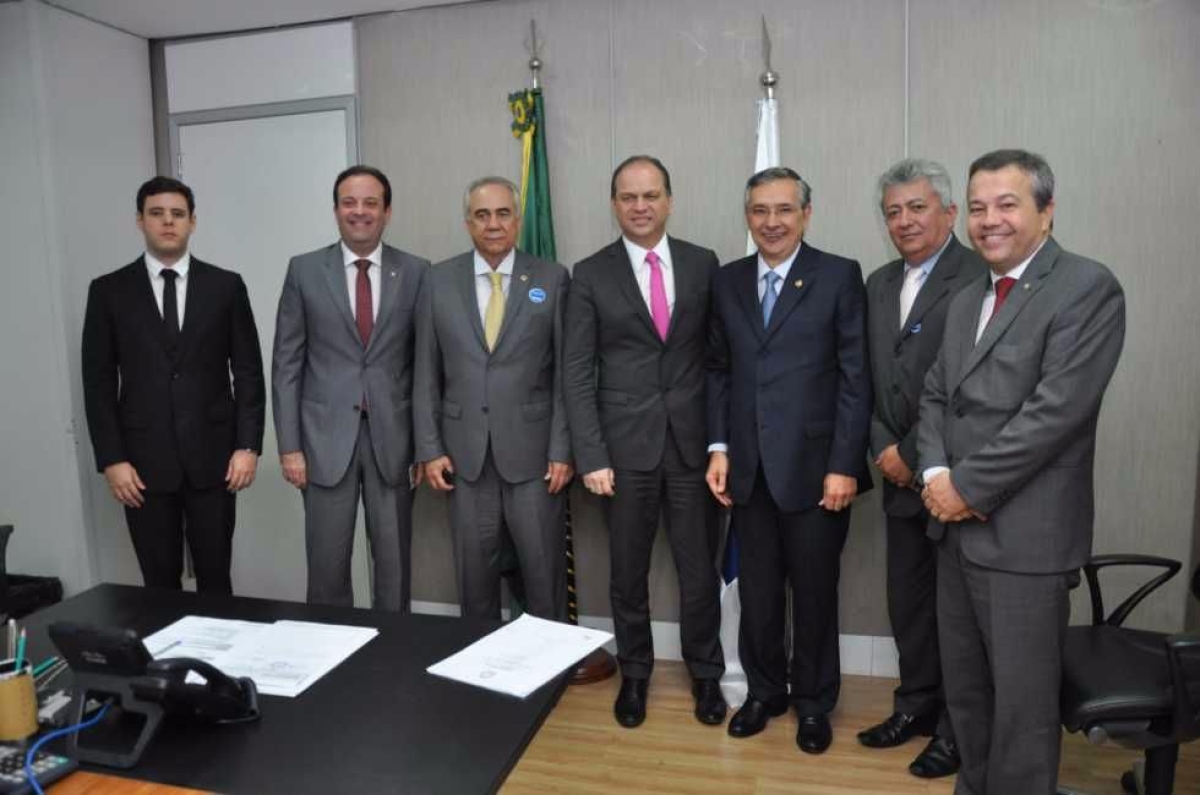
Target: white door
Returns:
[[264, 192]]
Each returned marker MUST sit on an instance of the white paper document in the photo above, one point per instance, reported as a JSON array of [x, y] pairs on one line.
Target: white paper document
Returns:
[[282, 658], [521, 656]]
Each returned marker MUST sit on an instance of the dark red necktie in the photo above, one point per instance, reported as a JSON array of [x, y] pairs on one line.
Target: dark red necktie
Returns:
[[1002, 287], [363, 316]]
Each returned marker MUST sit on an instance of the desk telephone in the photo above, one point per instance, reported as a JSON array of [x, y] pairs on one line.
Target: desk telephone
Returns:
[[113, 665]]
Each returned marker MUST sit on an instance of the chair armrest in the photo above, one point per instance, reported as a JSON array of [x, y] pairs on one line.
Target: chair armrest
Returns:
[[1092, 568], [1186, 722]]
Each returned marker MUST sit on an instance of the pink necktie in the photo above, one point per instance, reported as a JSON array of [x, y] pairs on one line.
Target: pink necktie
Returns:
[[660, 312]]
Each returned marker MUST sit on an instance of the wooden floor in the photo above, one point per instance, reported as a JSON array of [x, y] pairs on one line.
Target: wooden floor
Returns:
[[581, 749]]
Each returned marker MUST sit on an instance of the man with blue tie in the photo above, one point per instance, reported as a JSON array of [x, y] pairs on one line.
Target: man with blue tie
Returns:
[[789, 409]]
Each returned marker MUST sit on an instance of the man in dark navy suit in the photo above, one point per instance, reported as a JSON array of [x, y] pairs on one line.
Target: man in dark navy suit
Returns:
[[175, 436], [789, 411]]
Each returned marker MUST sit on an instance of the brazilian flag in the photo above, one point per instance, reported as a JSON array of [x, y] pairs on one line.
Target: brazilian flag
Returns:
[[537, 220]]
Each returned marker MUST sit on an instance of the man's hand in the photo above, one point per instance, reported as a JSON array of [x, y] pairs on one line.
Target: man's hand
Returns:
[[839, 492], [436, 470], [558, 475], [893, 467], [716, 477], [240, 473], [125, 485], [602, 482], [944, 502], [295, 468]]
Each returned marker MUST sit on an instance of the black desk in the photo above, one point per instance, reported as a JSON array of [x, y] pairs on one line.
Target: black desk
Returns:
[[378, 723]]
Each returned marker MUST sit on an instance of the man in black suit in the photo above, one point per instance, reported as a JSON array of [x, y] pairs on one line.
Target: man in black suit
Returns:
[[906, 317], [637, 323], [174, 438], [789, 411]]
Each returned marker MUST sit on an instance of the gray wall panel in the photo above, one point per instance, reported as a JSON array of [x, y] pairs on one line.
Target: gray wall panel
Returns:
[[1105, 89], [1107, 92]]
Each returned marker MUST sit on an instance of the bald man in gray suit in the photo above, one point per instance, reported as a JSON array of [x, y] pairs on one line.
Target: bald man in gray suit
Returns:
[[489, 415], [1006, 441], [341, 383]]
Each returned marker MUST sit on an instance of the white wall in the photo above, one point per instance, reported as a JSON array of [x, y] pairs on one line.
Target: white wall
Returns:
[[76, 125]]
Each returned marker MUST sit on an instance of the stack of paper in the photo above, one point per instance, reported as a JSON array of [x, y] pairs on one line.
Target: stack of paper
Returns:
[[283, 658], [521, 656]]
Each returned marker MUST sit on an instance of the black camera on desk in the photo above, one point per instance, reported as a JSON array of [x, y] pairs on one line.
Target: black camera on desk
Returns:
[[112, 665]]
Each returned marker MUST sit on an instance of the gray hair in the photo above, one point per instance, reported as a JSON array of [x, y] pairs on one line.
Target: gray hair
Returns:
[[775, 174], [485, 181], [913, 169], [1034, 165]]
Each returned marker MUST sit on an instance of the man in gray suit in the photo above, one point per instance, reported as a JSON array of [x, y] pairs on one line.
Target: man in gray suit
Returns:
[[489, 416], [1007, 440], [341, 383], [906, 318]]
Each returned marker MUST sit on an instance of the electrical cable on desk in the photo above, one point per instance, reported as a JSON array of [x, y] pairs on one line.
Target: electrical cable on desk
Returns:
[[30, 778]]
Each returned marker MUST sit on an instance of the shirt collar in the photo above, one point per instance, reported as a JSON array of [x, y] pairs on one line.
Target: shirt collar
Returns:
[[927, 265], [782, 268], [482, 268], [1018, 271], [154, 266], [637, 254], [349, 257]]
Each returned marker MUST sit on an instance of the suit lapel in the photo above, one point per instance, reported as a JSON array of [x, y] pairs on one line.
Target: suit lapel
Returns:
[[145, 302], [686, 277], [745, 284], [391, 284], [197, 299], [889, 297], [465, 280], [519, 285], [334, 271], [797, 285], [1031, 281], [622, 272], [936, 287]]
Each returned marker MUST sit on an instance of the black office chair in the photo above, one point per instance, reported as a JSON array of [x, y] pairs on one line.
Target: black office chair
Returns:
[[1137, 688]]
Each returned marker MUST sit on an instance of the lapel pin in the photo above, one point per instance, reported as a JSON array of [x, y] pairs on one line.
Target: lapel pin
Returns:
[[524, 277], [1027, 286], [799, 283], [537, 295]]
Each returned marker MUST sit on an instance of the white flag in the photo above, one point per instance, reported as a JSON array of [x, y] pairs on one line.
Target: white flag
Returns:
[[766, 154]]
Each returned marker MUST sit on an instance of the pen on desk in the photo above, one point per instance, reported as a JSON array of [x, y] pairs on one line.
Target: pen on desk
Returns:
[[20, 653], [12, 639], [52, 674], [41, 667]]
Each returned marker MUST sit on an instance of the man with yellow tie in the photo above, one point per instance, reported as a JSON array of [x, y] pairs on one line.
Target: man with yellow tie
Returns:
[[488, 407]]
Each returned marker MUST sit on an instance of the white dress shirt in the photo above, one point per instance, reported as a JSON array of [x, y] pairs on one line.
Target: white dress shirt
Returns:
[[154, 269], [374, 274], [641, 269], [783, 269], [483, 281]]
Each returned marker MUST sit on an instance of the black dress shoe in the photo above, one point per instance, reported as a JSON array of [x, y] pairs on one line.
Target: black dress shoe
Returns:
[[940, 758], [897, 730], [753, 716], [815, 734], [630, 706], [710, 704]]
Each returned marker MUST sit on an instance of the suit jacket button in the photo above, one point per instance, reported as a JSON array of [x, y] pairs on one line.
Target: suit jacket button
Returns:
[[485, 409], [895, 389], [174, 376], [356, 408], [958, 413], [899, 347]]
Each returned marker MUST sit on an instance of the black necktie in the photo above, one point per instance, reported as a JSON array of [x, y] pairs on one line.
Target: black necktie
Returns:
[[170, 309]]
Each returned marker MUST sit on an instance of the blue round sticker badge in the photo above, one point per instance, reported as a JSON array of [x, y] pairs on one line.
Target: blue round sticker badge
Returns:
[[537, 295]]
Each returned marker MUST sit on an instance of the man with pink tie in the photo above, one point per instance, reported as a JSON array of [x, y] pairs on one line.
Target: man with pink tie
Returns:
[[637, 324]]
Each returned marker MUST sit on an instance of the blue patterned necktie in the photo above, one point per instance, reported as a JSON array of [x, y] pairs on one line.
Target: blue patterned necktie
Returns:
[[769, 296]]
